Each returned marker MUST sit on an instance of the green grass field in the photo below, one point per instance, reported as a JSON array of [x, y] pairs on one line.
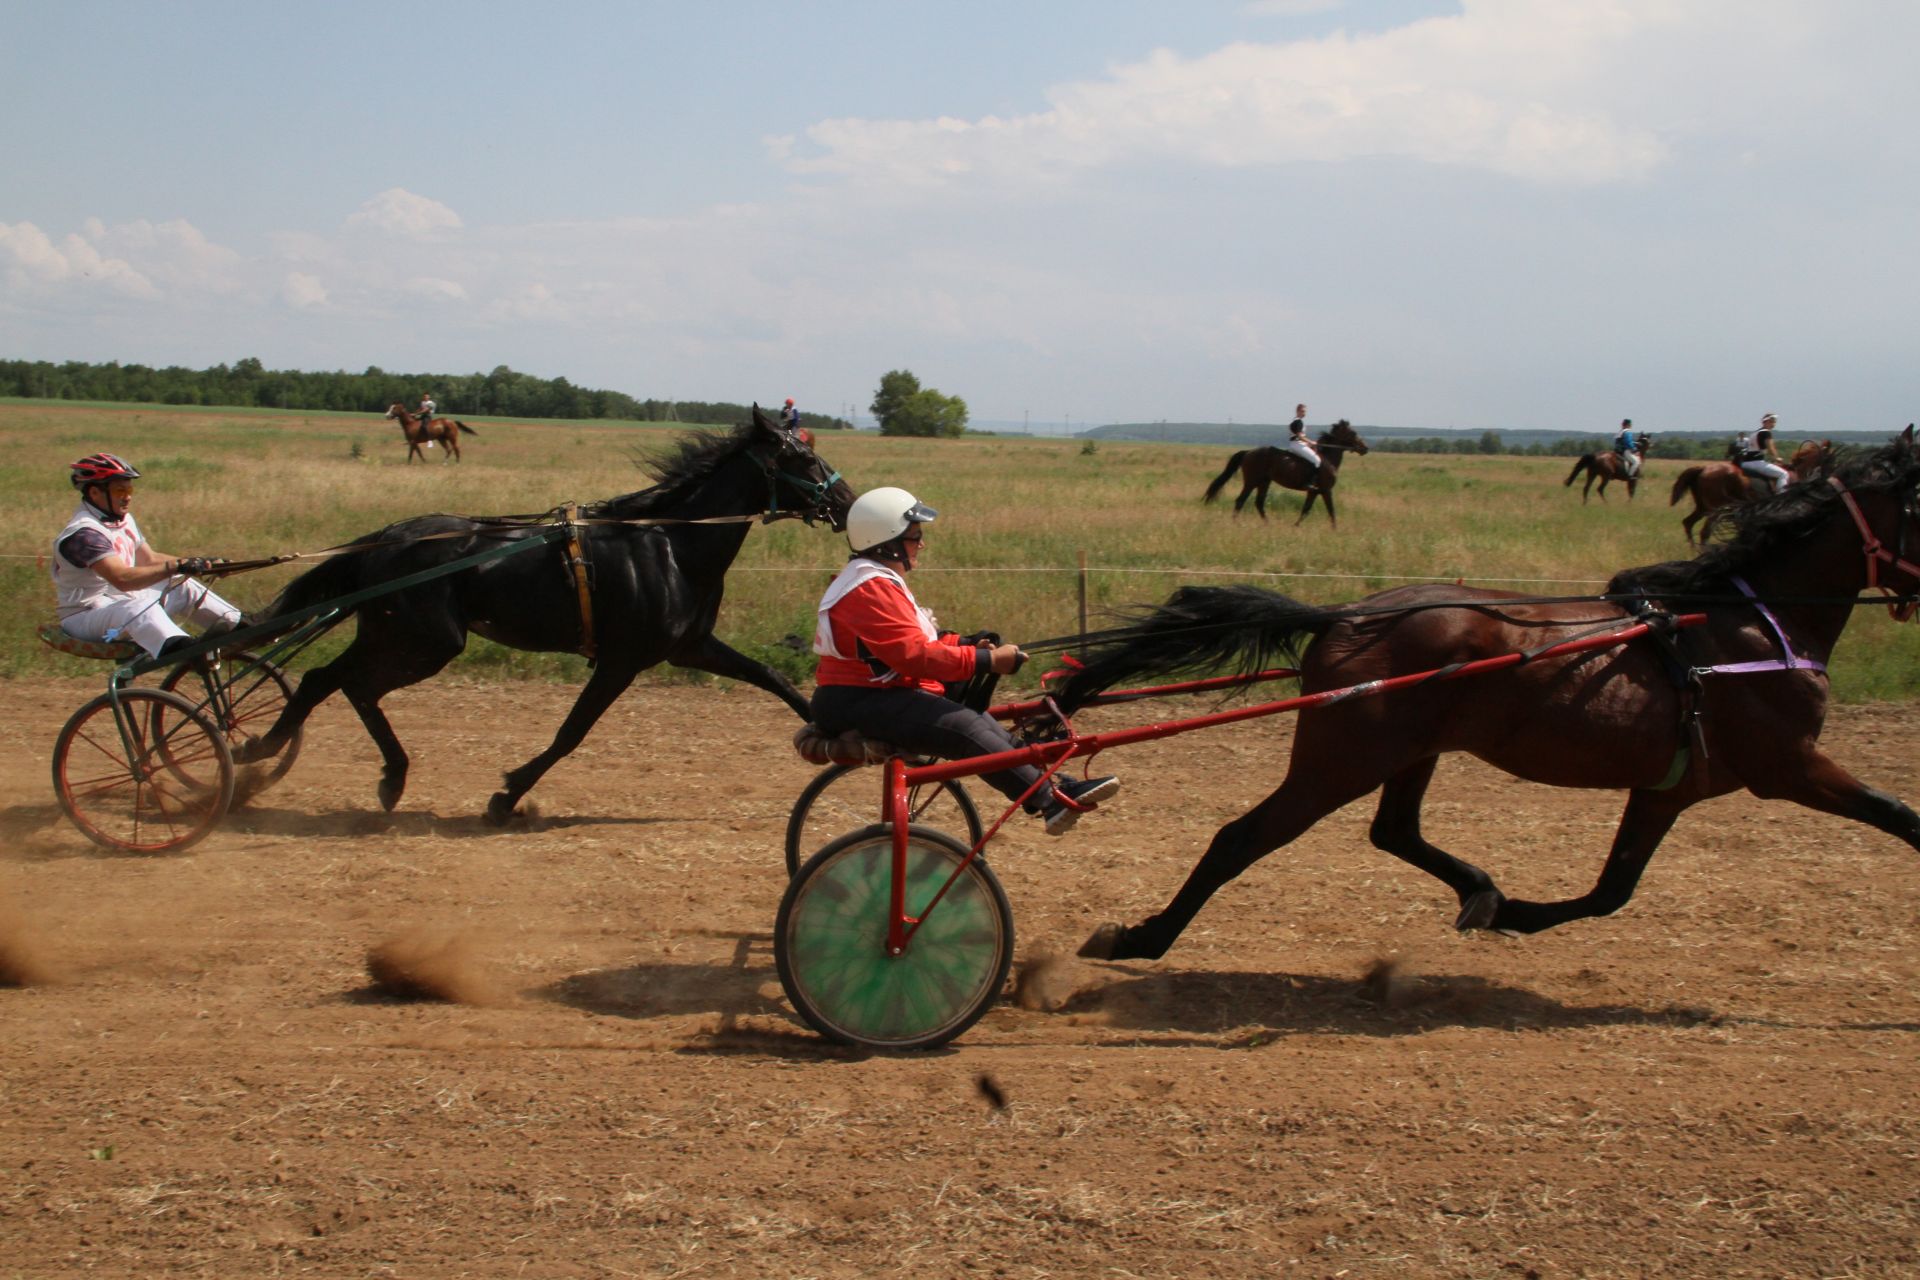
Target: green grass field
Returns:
[[1018, 516]]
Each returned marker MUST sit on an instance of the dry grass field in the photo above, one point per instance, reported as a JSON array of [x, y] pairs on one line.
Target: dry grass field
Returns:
[[333, 1041], [1019, 515]]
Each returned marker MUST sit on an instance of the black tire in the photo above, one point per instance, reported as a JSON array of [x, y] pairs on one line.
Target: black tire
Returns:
[[829, 941], [818, 817], [154, 779], [257, 691]]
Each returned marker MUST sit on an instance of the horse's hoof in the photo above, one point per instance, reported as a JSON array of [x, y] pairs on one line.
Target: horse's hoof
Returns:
[[390, 793], [1104, 942], [499, 809], [1480, 910]]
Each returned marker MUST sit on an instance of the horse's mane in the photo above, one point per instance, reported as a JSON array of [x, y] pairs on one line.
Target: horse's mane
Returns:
[[677, 468], [1753, 533]]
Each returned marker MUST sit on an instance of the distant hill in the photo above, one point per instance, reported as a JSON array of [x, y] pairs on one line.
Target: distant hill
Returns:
[[1253, 433]]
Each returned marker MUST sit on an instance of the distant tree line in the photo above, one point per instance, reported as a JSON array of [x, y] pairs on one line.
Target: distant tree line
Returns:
[[1677, 447], [249, 384]]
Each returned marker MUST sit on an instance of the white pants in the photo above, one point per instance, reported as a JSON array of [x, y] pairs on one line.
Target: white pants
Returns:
[[1630, 463], [1299, 448], [1773, 472], [146, 617]]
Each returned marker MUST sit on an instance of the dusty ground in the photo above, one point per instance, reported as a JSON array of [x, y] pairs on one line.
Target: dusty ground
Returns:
[[200, 1076]]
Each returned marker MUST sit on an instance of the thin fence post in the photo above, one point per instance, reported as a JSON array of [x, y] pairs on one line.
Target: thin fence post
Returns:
[[1083, 600]]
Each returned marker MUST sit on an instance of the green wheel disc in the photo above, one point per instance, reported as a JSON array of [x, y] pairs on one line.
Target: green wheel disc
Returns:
[[830, 941]]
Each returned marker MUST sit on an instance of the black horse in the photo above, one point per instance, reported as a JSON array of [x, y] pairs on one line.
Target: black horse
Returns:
[[656, 575]]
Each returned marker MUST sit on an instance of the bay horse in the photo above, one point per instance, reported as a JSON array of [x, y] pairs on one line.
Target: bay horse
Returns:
[[1713, 485], [1777, 593], [442, 431], [1269, 465], [1606, 467], [656, 574]]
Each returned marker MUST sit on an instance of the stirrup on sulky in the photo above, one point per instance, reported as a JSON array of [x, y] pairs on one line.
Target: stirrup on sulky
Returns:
[[55, 636], [816, 746]]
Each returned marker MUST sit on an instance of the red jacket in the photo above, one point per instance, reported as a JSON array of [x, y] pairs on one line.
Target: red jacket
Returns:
[[872, 633]]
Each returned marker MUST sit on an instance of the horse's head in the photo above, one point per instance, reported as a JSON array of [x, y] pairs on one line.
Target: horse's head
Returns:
[[1343, 434], [395, 410], [803, 484]]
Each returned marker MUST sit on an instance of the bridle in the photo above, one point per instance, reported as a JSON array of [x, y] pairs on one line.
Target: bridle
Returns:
[[1903, 605], [814, 495]]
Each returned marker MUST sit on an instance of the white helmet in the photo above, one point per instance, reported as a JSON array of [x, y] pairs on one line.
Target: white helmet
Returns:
[[881, 515]]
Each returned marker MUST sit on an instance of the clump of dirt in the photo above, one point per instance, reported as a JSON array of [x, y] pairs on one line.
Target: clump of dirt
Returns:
[[25, 959], [1044, 983], [429, 964], [1382, 983]]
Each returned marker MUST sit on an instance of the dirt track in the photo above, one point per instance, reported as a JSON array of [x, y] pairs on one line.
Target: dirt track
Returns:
[[201, 1077]]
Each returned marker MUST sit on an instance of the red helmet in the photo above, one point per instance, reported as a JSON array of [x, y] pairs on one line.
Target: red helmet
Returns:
[[98, 468], [789, 402]]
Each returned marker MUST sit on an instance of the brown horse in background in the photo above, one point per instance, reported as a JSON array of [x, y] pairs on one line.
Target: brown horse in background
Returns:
[[1268, 465], [1713, 485], [1613, 718], [443, 431], [1608, 466]]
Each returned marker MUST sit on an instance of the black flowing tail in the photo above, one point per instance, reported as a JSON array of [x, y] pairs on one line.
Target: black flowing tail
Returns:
[[1220, 481], [464, 427], [1586, 461], [1201, 631]]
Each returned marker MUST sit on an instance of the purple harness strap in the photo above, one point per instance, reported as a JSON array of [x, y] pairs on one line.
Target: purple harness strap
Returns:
[[1792, 662]]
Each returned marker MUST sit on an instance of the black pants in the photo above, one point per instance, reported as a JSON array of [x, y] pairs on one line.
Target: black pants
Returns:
[[925, 724]]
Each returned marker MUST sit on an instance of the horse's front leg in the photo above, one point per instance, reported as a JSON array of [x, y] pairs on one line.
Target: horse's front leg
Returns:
[[608, 682], [1648, 818], [1823, 785], [713, 654]]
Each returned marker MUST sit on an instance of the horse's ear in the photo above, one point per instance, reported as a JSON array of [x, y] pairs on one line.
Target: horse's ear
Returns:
[[1906, 437]]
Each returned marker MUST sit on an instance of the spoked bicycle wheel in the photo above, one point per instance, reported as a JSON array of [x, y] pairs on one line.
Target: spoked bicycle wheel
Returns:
[[830, 941], [245, 696], [154, 779], [834, 802]]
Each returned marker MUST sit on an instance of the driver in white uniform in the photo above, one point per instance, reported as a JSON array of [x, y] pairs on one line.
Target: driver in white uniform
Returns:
[[111, 584]]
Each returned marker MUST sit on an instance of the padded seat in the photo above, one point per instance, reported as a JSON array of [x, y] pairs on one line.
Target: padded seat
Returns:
[[819, 747], [54, 635]]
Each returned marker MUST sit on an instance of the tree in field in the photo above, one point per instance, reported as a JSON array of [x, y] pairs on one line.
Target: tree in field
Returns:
[[903, 407]]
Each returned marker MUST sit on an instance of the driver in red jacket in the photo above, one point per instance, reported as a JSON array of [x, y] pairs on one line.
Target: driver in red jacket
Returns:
[[884, 663]]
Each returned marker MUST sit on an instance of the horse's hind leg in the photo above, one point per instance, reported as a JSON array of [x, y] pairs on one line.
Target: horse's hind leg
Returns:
[[608, 682], [1396, 829], [1282, 817], [1648, 818]]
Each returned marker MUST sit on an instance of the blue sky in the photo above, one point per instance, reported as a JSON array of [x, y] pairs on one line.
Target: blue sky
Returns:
[[1476, 215]]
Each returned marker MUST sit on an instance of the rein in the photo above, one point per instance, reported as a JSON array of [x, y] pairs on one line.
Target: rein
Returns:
[[1903, 604]]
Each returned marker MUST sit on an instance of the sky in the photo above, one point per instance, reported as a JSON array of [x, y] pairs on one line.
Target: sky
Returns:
[[1438, 214]]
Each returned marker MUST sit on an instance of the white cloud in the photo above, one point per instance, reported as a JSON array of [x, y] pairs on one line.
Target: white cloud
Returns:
[[398, 211], [32, 258], [429, 287], [302, 291], [1289, 8], [1522, 90]]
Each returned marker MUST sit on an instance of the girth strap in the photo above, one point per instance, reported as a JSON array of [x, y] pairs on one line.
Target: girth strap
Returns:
[[1692, 750], [577, 565]]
